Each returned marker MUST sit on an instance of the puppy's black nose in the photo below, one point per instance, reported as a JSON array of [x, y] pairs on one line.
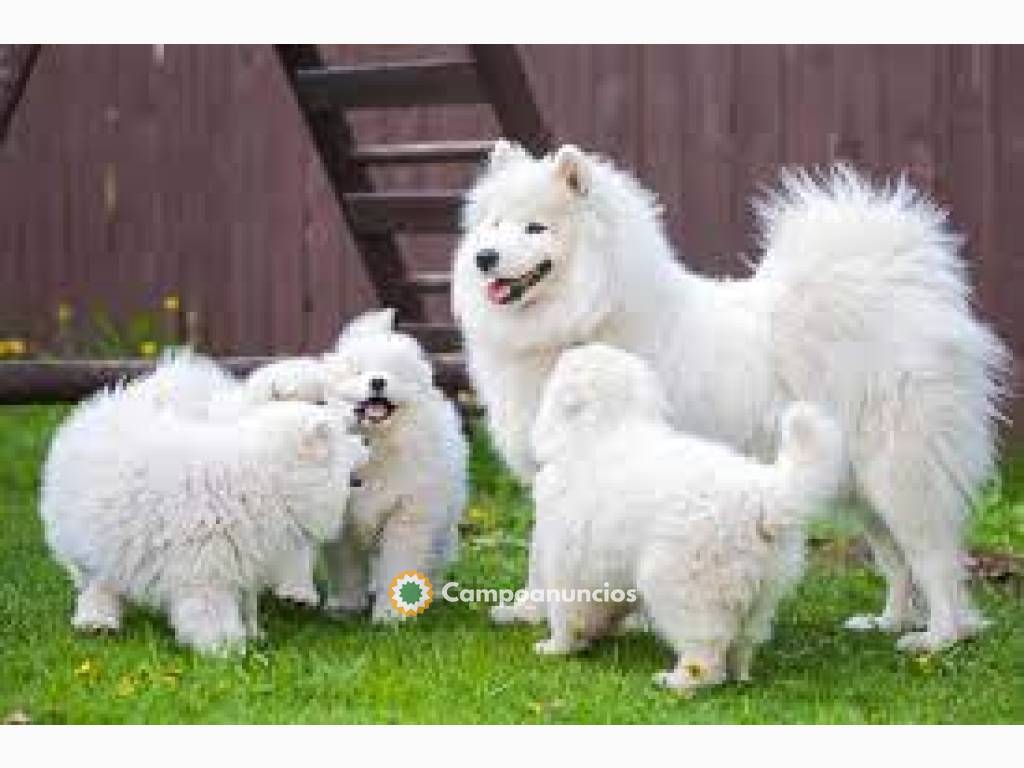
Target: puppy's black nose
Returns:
[[486, 259], [377, 385]]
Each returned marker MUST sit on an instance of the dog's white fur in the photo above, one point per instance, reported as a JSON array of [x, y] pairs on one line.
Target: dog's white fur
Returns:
[[710, 539], [196, 387], [860, 303], [189, 515], [405, 515]]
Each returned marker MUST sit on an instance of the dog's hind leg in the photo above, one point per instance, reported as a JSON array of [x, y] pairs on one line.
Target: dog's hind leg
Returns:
[[899, 613], [294, 577], [209, 620], [348, 579], [250, 614], [98, 608], [922, 509]]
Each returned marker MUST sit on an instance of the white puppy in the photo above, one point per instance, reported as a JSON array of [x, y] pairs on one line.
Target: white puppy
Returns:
[[187, 515], [710, 539], [405, 515], [860, 303]]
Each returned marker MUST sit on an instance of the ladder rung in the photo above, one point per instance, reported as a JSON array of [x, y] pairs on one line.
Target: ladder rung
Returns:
[[423, 152], [429, 282], [376, 213], [395, 84], [436, 337]]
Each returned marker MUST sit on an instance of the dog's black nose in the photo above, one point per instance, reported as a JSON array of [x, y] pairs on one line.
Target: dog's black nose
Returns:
[[377, 385], [486, 259]]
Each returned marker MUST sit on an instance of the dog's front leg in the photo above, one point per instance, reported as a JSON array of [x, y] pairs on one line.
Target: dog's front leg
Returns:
[[347, 574], [406, 545]]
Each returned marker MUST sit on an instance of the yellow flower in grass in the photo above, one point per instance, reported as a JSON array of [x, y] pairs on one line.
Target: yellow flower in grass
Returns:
[[126, 686], [12, 347], [86, 669], [172, 303], [148, 348]]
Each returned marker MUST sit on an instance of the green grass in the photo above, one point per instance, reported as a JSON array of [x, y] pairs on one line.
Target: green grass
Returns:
[[450, 666]]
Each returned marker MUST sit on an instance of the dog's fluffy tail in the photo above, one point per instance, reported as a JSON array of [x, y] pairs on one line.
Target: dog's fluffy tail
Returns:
[[811, 465]]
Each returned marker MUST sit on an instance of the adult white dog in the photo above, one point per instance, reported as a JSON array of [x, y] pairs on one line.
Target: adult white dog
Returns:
[[190, 516], [860, 303], [405, 515], [710, 539]]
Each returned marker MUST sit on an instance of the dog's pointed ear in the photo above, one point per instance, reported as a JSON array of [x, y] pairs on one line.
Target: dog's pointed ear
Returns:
[[369, 324], [315, 442], [572, 166], [503, 153]]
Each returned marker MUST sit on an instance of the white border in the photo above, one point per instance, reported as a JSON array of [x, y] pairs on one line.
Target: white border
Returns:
[[696, 747], [520, 21]]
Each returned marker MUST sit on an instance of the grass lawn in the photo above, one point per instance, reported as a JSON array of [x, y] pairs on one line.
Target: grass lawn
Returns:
[[450, 666]]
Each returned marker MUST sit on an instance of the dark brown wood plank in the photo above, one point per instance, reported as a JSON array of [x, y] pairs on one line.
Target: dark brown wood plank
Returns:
[[436, 337], [375, 213], [423, 152], [401, 84], [506, 86], [333, 138], [430, 282], [36, 381]]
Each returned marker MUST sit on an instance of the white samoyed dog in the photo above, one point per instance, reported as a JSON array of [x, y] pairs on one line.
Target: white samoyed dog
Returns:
[[709, 539], [195, 386], [405, 514], [860, 303], [190, 516]]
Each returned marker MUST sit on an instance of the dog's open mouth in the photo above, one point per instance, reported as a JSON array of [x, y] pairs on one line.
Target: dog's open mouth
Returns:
[[505, 290], [374, 410]]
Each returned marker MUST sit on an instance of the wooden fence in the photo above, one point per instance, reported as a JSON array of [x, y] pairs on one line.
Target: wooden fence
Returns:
[[134, 173]]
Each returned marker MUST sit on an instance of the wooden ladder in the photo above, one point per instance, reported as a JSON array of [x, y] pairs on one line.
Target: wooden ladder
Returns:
[[490, 74], [16, 63]]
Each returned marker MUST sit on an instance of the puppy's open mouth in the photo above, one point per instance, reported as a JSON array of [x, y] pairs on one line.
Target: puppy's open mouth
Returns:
[[374, 410], [506, 290]]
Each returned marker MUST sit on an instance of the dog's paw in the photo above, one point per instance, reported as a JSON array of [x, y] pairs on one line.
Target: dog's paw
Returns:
[[552, 647], [385, 615], [866, 622], [340, 606], [671, 680], [305, 596], [928, 641], [96, 622]]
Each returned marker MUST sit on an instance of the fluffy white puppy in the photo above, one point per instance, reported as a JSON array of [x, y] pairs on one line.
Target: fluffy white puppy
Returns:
[[860, 303], [405, 514], [196, 387], [190, 516], [710, 539]]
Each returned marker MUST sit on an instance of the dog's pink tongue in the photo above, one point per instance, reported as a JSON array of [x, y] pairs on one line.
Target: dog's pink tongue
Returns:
[[376, 412], [498, 291]]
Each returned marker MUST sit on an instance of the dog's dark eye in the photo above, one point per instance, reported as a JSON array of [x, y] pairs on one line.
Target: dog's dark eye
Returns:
[[535, 228], [321, 402]]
